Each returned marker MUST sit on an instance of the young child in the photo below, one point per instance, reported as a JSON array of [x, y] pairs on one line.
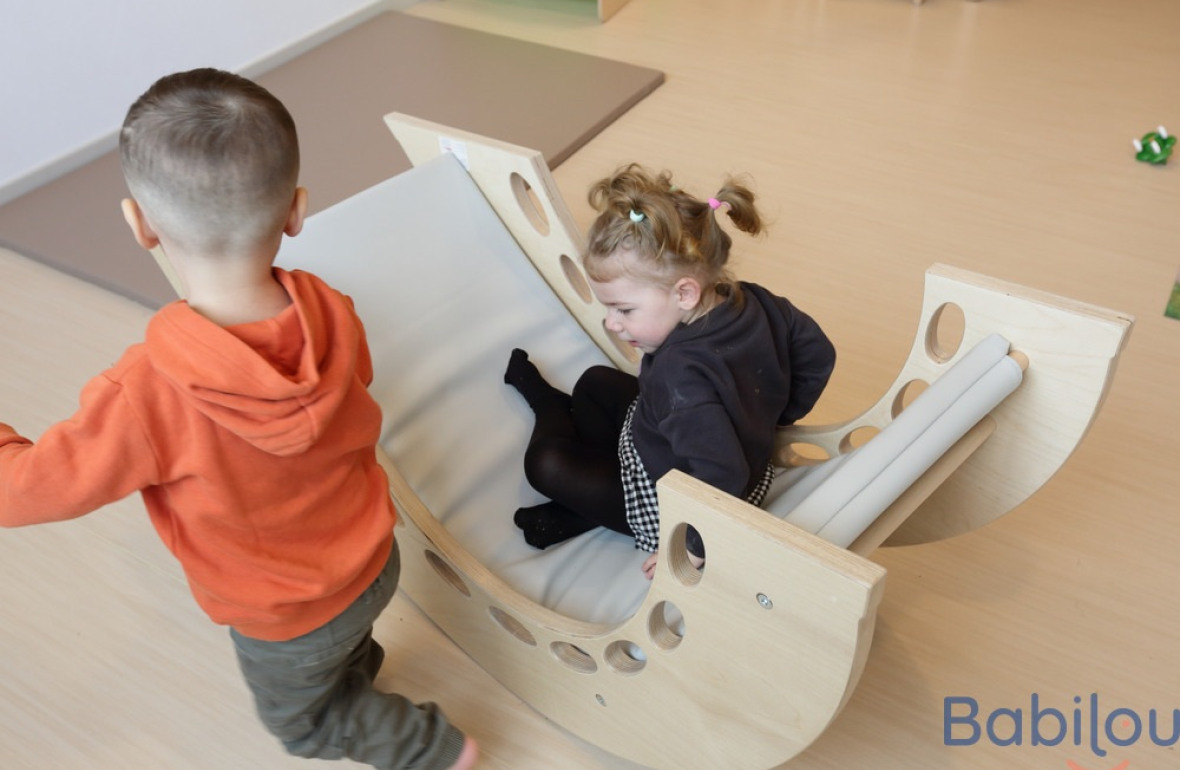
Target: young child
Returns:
[[245, 422], [724, 363]]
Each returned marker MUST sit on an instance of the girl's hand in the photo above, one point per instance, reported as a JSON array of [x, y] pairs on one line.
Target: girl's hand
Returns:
[[649, 565]]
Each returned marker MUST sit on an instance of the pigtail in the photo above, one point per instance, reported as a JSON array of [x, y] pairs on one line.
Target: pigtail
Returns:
[[738, 201]]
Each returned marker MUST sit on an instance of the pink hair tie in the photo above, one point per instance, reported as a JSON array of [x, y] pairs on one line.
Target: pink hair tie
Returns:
[[716, 204]]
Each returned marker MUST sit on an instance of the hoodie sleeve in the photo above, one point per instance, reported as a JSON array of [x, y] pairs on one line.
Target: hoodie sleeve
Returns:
[[685, 425], [706, 446], [812, 358], [98, 456]]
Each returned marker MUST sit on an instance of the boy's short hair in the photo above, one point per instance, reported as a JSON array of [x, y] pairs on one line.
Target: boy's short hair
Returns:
[[212, 159]]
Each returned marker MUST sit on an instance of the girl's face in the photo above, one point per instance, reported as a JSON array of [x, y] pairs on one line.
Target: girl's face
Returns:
[[643, 313]]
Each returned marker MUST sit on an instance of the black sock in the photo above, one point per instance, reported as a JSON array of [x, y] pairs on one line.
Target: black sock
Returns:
[[549, 523], [523, 375]]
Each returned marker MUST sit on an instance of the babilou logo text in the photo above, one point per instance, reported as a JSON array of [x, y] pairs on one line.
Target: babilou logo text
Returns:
[[1087, 723]]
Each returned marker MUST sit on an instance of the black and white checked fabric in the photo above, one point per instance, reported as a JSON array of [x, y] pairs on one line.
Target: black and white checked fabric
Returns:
[[639, 493]]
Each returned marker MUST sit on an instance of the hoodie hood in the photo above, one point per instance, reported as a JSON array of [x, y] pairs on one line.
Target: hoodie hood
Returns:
[[279, 396]]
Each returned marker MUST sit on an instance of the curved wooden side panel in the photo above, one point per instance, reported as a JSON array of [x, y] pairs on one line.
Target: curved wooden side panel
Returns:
[[1072, 350], [517, 183], [742, 665]]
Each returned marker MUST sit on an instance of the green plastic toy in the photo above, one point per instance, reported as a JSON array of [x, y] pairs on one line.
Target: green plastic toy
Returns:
[[1155, 147]]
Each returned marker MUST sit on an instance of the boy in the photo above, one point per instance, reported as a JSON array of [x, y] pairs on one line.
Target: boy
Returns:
[[245, 422]]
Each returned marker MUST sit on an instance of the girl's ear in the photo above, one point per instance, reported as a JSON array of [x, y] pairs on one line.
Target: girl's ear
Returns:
[[688, 293]]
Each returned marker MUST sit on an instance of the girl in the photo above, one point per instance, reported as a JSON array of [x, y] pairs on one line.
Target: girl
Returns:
[[724, 363]]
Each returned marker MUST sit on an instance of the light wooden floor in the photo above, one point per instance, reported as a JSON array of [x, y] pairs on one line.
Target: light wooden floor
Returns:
[[881, 137]]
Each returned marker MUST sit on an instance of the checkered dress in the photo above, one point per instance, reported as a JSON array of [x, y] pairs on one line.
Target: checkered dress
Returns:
[[639, 493]]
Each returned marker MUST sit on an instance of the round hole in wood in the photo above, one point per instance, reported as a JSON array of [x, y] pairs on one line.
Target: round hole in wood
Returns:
[[512, 626], [906, 395], [858, 437], [625, 657], [574, 657], [799, 453], [666, 625], [530, 204], [944, 335], [577, 281], [447, 574], [678, 558]]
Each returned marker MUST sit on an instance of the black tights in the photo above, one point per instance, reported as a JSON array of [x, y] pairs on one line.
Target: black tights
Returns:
[[573, 453]]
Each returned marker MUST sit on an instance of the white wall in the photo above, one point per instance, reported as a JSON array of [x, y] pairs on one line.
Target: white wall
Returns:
[[69, 69]]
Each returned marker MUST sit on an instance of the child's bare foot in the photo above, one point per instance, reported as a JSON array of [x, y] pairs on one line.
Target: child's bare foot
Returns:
[[468, 757]]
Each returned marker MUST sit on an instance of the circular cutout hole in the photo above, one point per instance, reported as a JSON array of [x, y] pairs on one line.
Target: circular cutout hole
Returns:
[[799, 453], [574, 657], [447, 574], [577, 281], [625, 657], [530, 204], [906, 395], [512, 626], [858, 437], [666, 625], [944, 335], [680, 561]]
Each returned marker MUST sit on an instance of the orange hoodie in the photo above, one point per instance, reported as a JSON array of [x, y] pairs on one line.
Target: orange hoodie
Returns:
[[253, 447]]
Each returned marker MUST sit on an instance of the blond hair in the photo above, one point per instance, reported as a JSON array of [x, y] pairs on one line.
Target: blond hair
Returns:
[[212, 158], [670, 232]]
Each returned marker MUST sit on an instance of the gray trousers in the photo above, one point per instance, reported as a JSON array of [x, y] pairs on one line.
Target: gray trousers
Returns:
[[315, 692]]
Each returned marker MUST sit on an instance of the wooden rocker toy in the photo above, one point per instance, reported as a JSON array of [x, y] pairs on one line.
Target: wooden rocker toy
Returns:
[[472, 253]]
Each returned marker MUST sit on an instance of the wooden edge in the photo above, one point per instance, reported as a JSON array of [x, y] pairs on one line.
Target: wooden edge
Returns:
[[516, 182], [732, 699], [1071, 349], [1028, 294]]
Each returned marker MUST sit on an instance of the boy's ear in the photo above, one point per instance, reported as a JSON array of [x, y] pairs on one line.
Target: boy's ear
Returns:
[[688, 293], [298, 212], [145, 236]]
